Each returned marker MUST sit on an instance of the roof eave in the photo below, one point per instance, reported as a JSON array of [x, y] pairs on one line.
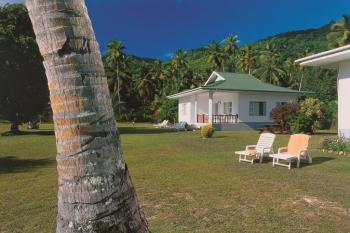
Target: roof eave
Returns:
[[288, 92], [328, 59], [185, 93]]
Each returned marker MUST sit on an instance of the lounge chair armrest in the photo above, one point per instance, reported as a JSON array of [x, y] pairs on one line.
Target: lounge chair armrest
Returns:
[[249, 147], [282, 149]]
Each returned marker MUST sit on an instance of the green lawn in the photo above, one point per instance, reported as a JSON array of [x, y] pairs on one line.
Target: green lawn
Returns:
[[185, 184]]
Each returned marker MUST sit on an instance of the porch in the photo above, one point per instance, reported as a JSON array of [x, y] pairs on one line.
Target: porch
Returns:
[[217, 119]]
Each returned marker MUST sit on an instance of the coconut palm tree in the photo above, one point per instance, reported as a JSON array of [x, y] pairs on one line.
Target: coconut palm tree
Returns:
[[229, 50], [306, 52], [246, 60], [290, 71], [177, 70], [118, 61], [215, 55], [340, 33], [269, 70], [95, 191]]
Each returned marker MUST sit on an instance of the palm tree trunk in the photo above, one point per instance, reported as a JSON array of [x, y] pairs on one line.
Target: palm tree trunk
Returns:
[[301, 82], [118, 91], [95, 192]]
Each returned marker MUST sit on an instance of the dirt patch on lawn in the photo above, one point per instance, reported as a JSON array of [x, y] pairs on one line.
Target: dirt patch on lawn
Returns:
[[311, 206]]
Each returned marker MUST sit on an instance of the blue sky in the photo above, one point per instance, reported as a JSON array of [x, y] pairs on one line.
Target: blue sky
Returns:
[[156, 28]]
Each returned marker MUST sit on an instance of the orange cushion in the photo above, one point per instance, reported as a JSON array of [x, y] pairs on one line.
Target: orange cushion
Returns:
[[297, 143], [251, 152]]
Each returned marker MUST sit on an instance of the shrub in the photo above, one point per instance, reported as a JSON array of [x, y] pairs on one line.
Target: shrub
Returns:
[[330, 115], [302, 124], [207, 131], [284, 114], [309, 116], [336, 144]]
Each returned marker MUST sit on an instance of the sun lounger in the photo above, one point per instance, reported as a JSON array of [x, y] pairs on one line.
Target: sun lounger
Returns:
[[164, 124], [181, 126], [296, 150], [258, 151]]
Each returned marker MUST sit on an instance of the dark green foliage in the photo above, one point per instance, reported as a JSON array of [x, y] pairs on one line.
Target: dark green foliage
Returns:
[[168, 110], [302, 124], [23, 90]]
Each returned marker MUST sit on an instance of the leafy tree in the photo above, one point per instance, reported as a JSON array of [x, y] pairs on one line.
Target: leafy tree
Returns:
[[23, 90], [340, 33]]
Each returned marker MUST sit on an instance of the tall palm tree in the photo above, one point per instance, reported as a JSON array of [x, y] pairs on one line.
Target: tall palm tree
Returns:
[[177, 70], [290, 72], [340, 33], [306, 52], [95, 191], [269, 70], [145, 83], [215, 55], [229, 49], [116, 59], [246, 60]]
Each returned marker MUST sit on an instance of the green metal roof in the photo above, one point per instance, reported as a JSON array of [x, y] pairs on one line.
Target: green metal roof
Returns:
[[245, 82]]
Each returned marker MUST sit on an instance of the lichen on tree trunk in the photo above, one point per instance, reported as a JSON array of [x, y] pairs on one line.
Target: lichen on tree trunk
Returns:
[[95, 192]]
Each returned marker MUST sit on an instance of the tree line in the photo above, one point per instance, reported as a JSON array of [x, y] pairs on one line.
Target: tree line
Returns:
[[139, 86]]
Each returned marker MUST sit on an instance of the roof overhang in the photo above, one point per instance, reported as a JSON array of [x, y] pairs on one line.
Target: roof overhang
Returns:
[[328, 59], [198, 90]]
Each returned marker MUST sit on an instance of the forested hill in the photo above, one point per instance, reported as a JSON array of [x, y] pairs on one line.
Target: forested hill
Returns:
[[290, 45]]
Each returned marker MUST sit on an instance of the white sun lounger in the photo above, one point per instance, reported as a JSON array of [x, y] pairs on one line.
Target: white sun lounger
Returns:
[[258, 151]]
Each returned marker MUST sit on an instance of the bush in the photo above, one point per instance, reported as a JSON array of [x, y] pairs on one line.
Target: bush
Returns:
[[336, 144], [207, 131], [309, 117], [284, 114], [302, 124], [330, 115]]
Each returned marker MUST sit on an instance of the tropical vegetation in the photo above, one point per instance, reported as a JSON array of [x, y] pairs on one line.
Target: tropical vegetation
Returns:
[[139, 86]]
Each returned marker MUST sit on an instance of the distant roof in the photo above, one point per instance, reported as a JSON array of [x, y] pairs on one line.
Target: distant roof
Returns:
[[244, 82], [221, 81], [328, 59]]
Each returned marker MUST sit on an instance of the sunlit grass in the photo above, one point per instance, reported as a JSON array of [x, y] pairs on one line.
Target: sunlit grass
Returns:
[[185, 184]]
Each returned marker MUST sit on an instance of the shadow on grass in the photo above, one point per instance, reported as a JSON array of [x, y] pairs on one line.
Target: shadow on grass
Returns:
[[30, 133], [140, 130], [11, 164], [317, 161]]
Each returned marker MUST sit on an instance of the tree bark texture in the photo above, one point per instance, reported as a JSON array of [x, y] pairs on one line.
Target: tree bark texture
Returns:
[[95, 192]]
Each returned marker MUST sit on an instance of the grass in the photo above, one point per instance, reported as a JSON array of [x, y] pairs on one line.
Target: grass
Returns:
[[185, 184]]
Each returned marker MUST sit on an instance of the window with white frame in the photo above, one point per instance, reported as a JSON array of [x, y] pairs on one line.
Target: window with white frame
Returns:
[[184, 109], [228, 108], [257, 108]]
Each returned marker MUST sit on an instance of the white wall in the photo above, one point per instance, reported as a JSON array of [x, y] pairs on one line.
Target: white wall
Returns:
[[344, 99], [240, 104], [271, 100], [221, 98], [186, 102]]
